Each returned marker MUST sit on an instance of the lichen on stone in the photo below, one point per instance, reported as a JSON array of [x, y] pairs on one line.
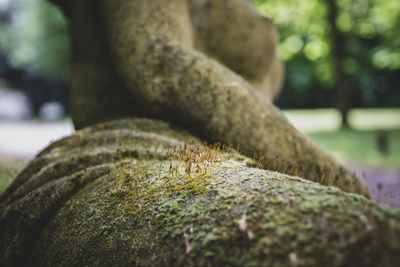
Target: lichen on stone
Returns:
[[192, 205]]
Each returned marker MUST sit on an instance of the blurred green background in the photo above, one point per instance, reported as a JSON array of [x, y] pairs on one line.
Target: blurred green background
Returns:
[[342, 61], [329, 45], [338, 53]]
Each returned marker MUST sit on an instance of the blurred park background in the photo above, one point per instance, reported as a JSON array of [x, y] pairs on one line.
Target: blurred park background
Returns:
[[342, 84]]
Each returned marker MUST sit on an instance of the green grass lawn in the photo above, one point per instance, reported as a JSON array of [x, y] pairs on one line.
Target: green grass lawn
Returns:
[[9, 168], [5, 179], [357, 144]]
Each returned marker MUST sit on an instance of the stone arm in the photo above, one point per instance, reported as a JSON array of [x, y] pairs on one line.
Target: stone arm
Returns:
[[237, 35], [168, 79]]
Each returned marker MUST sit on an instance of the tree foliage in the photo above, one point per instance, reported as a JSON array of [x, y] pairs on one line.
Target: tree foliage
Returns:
[[372, 50], [35, 37]]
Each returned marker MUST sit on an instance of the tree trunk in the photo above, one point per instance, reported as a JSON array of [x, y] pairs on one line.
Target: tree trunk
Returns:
[[338, 42], [138, 192]]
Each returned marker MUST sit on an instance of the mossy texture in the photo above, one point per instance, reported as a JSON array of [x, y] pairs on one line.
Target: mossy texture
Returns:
[[138, 192], [208, 66]]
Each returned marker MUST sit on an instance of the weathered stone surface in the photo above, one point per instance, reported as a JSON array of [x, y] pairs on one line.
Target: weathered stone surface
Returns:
[[167, 60], [138, 192]]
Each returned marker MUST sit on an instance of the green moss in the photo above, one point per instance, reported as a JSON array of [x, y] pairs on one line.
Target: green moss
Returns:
[[187, 173], [278, 222], [190, 205]]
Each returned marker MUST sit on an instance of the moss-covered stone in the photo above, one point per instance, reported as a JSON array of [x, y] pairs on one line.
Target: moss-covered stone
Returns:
[[208, 66], [141, 192], [182, 204]]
